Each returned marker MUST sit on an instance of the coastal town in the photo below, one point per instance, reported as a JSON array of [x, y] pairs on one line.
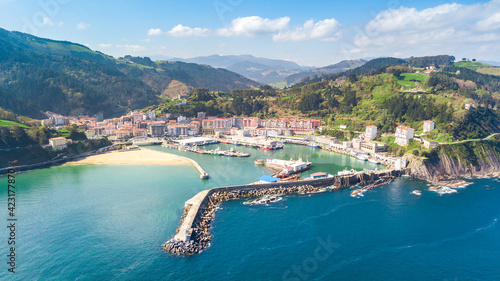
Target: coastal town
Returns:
[[180, 132]]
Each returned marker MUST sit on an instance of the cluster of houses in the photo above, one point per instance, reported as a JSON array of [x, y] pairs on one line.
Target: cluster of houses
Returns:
[[140, 124], [403, 136]]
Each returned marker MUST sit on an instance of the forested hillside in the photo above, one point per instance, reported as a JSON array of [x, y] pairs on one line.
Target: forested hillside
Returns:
[[38, 75]]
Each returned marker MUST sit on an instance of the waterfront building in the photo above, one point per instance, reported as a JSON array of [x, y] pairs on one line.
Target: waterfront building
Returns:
[[142, 133], [373, 147], [208, 126], [157, 129]]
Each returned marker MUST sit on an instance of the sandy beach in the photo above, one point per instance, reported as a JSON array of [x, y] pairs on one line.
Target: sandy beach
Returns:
[[133, 157]]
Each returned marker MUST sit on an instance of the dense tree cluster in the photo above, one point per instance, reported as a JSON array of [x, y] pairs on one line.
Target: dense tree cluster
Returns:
[[442, 81], [477, 123], [442, 60], [407, 108]]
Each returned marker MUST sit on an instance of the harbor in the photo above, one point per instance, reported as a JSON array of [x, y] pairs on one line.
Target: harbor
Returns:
[[193, 234], [221, 152]]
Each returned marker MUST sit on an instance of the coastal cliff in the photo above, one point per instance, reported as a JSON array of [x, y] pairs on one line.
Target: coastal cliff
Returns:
[[447, 162]]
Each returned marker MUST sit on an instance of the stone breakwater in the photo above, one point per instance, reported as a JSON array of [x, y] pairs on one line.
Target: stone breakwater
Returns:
[[193, 234], [201, 237]]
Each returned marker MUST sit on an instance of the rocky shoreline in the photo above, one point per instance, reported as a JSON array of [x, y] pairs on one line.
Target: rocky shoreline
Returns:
[[201, 236]]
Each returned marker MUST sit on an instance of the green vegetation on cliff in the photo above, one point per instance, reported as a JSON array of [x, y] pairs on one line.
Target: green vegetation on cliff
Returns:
[[469, 153]]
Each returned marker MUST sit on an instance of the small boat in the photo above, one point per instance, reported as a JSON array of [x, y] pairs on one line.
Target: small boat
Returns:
[[266, 199], [313, 145], [371, 160], [362, 158], [416, 192]]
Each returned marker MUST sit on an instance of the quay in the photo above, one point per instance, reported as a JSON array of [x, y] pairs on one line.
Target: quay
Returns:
[[193, 234]]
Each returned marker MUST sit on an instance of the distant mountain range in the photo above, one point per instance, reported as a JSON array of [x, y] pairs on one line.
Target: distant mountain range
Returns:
[[334, 68], [38, 75], [263, 70], [269, 71]]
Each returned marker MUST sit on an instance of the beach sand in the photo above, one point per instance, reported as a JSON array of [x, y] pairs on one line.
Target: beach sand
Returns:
[[133, 157]]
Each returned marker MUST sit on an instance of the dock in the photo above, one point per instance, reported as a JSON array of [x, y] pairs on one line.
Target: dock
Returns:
[[193, 234]]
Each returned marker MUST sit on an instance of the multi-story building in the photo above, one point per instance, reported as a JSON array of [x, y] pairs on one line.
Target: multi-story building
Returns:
[[157, 129], [208, 126], [142, 133], [201, 115], [373, 147], [58, 143], [404, 135], [371, 133], [428, 126]]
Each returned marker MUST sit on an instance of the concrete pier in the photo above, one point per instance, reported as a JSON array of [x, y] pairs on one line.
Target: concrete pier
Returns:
[[200, 208]]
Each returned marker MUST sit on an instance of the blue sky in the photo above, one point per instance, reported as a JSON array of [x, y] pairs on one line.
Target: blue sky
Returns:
[[308, 32]]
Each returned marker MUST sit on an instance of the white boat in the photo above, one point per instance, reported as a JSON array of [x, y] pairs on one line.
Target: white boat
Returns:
[[266, 199], [362, 157], [373, 161]]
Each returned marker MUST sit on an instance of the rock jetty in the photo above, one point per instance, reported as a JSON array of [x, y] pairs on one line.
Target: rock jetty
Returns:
[[201, 237]]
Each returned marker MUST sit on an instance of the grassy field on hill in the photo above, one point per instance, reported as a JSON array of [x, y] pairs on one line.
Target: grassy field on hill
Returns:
[[408, 79], [471, 64], [489, 70], [7, 123]]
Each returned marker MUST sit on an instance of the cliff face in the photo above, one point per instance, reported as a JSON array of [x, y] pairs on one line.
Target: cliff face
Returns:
[[462, 160]]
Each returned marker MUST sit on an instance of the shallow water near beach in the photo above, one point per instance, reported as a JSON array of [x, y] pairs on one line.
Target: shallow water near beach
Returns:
[[105, 222]]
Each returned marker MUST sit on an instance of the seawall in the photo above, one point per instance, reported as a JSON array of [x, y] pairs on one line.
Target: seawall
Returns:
[[193, 233]]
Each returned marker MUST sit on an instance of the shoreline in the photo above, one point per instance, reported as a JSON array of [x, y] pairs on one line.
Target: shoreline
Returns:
[[132, 157]]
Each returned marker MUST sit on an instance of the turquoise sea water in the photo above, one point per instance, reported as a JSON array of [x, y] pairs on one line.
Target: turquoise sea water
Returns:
[[100, 222]]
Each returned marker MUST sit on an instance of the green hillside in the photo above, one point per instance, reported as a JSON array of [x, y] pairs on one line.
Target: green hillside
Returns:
[[471, 64], [371, 95], [39, 75]]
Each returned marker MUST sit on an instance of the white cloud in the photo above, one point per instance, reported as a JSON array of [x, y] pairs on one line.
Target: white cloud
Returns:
[[183, 31], [105, 46], [449, 28], [47, 21], [251, 26], [132, 48], [490, 23], [410, 18], [154, 31], [325, 30], [82, 26]]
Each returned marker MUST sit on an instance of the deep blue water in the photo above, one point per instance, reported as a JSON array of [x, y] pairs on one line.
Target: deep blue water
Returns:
[[108, 223]]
